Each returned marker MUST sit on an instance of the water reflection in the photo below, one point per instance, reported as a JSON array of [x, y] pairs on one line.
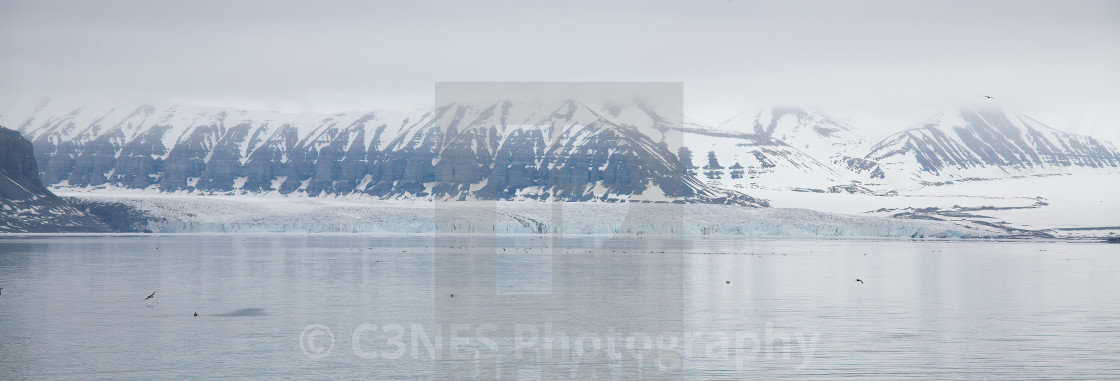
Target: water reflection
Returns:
[[72, 308]]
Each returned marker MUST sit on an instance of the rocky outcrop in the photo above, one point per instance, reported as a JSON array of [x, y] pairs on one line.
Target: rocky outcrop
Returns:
[[18, 168], [25, 204]]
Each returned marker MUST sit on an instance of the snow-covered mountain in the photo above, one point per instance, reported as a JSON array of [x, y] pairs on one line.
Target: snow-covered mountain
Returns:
[[809, 130], [743, 160], [510, 150], [504, 150], [809, 150], [778, 148], [983, 143]]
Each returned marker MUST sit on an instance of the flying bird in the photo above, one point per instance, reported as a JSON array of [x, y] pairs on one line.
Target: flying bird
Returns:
[[989, 97], [151, 296], [859, 280]]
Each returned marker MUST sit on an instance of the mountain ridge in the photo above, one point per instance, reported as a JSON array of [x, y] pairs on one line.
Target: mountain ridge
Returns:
[[983, 143], [563, 150]]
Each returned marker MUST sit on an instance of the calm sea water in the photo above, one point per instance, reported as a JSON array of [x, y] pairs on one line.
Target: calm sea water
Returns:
[[455, 307]]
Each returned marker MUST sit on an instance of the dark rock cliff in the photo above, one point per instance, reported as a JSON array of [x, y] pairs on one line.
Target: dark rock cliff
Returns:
[[25, 204], [19, 174]]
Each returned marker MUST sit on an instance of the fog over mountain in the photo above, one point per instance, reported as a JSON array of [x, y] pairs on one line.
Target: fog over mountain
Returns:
[[879, 64]]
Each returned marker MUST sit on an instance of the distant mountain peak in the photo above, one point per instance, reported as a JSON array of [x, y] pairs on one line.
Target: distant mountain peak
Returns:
[[984, 143]]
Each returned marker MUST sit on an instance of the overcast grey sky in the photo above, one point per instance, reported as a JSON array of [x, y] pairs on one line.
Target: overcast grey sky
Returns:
[[894, 58]]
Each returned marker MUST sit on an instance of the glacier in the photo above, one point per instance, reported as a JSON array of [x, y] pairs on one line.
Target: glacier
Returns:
[[256, 214]]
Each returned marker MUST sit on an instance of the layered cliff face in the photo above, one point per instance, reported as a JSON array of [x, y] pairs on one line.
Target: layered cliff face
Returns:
[[25, 204], [20, 173], [505, 150]]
